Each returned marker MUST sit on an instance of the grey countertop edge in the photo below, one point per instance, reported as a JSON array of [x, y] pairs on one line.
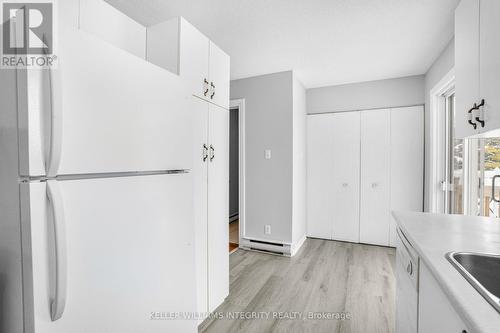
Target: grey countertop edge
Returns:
[[470, 318]]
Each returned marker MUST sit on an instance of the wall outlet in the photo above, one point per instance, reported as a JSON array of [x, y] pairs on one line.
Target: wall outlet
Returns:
[[267, 229], [267, 154]]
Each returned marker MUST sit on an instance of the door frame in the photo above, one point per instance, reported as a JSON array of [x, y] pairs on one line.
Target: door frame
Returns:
[[437, 159], [239, 104]]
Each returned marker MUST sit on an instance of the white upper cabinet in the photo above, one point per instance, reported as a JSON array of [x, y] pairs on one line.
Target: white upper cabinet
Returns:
[[193, 59], [219, 63], [477, 67], [489, 50], [178, 46], [466, 65]]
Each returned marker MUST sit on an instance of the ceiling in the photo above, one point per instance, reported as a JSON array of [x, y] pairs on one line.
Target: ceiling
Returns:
[[326, 42]]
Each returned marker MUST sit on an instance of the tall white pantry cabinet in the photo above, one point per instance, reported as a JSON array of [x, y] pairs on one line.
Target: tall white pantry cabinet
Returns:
[[181, 48], [361, 166]]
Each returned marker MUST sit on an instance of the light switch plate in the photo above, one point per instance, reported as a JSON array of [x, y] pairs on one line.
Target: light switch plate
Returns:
[[268, 154]]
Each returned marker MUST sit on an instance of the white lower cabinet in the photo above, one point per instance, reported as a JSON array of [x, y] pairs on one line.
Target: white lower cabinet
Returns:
[[211, 200], [435, 313], [362, 165]]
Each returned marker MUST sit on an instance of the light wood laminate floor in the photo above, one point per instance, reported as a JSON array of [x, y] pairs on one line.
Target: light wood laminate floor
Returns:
[[324, 277]]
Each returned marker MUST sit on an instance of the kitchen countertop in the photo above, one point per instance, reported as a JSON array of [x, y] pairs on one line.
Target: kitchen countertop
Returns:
[[434, 235]]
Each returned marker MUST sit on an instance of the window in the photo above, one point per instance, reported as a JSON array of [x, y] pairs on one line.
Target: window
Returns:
[[485, 163], [454, 173], [469, 169]]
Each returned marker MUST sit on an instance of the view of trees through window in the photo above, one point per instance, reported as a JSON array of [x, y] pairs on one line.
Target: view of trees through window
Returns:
[[489, 167]]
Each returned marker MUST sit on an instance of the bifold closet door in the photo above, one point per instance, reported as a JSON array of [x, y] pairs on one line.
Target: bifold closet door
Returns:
[[375, 176], [218, 206], [407, 162], [346, 157], [333, 176], [320, 175]]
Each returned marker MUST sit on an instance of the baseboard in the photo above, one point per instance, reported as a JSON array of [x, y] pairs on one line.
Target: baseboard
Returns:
[[296, 246], [266, 246], [234, 217]]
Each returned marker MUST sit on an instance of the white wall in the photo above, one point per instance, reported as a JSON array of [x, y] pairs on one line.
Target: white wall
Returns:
[[441, 66], [269, 125], [404, 91], [299, 201]]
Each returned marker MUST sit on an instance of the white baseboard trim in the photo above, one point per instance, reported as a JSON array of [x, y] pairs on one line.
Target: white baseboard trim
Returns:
[[296, 246], [234, 218]]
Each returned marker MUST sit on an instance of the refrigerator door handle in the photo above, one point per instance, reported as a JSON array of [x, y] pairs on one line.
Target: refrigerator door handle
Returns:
[[58, 303], [54, 153]]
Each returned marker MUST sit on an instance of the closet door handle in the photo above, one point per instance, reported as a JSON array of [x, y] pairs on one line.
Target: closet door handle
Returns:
[[493, 188], [480, 119], [59, 302], [205, 152], [470, 121], [213, 90], [212, 153], [205, 87]]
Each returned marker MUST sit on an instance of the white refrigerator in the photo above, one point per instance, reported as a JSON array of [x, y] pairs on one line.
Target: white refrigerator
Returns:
[[96, 230]]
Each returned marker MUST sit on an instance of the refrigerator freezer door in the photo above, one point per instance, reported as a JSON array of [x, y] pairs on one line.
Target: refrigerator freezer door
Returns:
[[129, 263], [102, 110]]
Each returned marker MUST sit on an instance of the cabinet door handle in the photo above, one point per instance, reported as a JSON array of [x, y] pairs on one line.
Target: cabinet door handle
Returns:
[[205, 87], [480, 119], [470, 121], [212, 153], [205, 152], [212, 85]]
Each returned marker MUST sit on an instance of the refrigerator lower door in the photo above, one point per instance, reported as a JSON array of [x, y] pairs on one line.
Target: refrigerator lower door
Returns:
[[109, 255]]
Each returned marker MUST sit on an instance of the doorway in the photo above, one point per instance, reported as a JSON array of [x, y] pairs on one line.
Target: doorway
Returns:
[[236, 173], [233, 180]]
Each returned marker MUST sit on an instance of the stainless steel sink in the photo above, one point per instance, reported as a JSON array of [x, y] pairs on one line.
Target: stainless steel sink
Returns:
[[482, 270]]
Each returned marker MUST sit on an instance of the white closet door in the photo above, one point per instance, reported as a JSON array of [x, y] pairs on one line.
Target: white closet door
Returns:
[[218, 206], [375, 177], [407, 166], [320, 175], [345, 173], [200, 178]]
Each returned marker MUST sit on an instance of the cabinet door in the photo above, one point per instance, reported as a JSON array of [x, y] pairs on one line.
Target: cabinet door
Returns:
[[466, 64], [435, 313], [194, 50], [320, 175], [219, 76], [218, 206], [346, 158], [407, 156], [490, 63], [375, 177], [200, 178]]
